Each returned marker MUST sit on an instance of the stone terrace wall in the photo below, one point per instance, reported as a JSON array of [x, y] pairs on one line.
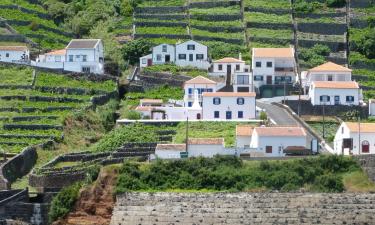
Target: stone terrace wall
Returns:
[[367, 162], [243, 208]]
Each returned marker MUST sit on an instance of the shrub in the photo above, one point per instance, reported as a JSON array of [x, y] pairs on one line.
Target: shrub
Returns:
[[329, 183], [134, 115], [135, 49], [63, 202], [316, 55], [366, 44], [107, 114]]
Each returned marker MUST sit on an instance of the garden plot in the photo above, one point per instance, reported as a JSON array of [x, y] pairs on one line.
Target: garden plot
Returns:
[[268, 23], [361, 58], [36, 114]]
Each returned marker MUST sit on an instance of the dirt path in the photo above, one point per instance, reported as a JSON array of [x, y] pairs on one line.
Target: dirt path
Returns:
[[95, 204]]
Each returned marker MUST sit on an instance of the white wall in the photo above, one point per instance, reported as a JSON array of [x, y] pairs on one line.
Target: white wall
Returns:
[[372, 108], [199, 49], [158, 50], [323, 76], [277, 143], [223, 72], [168, 154], [208, 150], [243, 141], [143, 60], [344, 132], [248, 108], [13, 56], [315, 93], [190, 97]]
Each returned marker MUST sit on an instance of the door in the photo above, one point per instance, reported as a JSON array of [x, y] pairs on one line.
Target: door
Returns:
[[228, 115], [167, 58], [198, 116], [269, 79], [149, 62], [229, 73], [337, 100], [191, 57]]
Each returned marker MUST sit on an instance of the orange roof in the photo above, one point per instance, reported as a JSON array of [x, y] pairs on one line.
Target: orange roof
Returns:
[[57, 52], [200, 80], [280, 131], [244, 130], [147, 100], [364, 127], [336, 84], [273, 52], [144, 108], [178, 147], [229, 60], [331, 67], [206, 141], [13, 48], [229, 94]]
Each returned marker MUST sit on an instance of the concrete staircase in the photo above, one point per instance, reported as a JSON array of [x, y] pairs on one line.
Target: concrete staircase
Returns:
[[243, 208]]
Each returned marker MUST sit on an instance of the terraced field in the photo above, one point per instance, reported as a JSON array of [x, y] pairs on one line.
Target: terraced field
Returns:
[[32, 110], [33, 21]]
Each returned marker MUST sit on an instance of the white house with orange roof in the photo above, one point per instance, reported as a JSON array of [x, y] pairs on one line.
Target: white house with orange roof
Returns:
[[14, 54], [200, 84], [243, 136], [273, 66], [273, 141], [207, 147], [54, 59], [335, 93], [355, 139], [229, 105], [328, 71]]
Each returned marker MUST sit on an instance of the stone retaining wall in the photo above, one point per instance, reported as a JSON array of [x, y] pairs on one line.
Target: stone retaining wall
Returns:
[[268, 10], [160, 24], [156, 10], [276, 26], [25, 10], [219, 29], [40, 26], [334, 46], [161, 16], [173, 36], [227, 40], [243, 208], [323, 28], [217, 17], [367, 162], [213, 4]]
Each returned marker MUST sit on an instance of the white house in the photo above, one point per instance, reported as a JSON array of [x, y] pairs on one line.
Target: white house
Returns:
[[161, 54], [371, 107], [170, 151], [80, 55], [243, 136], [229, 105], [192, 53], [355, 139], [14, 54], [335, 93], [200, 84], [207, 147], [328, 71], [273, 66], [272, 141]]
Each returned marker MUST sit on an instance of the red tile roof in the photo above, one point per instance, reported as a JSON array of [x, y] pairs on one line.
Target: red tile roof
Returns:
[[200, 80], [364, 127], [273, 52], [57, 52], [336, 84], [206, 141], [178, 147], [244, 130], [13, 48], [280, 131], [330, 67], [229, 60]]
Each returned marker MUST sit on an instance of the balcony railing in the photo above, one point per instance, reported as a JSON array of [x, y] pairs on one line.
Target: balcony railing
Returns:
[[284, 69]]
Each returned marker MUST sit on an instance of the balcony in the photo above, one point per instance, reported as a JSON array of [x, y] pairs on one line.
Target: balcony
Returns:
[[284, 69]]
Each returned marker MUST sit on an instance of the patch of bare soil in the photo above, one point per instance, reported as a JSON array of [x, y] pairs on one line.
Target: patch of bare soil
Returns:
[[95, 204]]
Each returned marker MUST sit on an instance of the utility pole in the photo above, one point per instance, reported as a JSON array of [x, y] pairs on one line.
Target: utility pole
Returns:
[[359, 132], [284, 88]]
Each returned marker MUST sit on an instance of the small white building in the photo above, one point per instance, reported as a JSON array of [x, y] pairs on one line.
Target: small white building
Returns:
[[170, 151], [207, 147], [199, 84], [229, 105], [371, 107], [14, 54], [192, 53], [335, 93], [328, 71], [80, 55], [228, 65], [355, 139], [243, 136], [273, 66], [272, 141], [161, 54]]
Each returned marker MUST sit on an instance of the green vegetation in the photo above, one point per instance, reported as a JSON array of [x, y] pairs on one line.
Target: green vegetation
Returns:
[[161, 30], [323, 174], [275, 4], [135, 49], [15, 75], [330, 128], [316, 55], [176, 70]]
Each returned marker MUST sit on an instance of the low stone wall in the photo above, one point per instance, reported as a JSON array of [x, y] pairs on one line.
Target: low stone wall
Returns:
[[272, 40], [25, 10], [161, 16], [334, 46], [40, 26], [173, 36], [323, 28], [358, 23], [103, 99], [243, 208], [360, 3], [227, 40], [156, 10], [367, 162], [218, 29], [213, 4], [276, 26], [268, 10], [217, 17]]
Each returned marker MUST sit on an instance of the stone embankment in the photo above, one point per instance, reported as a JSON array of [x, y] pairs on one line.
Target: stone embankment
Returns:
[[243, 208]]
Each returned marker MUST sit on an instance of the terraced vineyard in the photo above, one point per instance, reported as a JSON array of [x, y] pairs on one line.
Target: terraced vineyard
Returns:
[[32, 110], [33, 22]]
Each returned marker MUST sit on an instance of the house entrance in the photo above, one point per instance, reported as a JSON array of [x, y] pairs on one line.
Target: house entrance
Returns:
[[167, 58], [269, 79], [191, 57], [149, 62], [365, 147]]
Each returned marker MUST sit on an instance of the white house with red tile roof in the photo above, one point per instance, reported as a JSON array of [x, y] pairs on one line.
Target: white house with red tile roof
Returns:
[[273, 65], [229, 105], [328, 71], [200, 84], [243, 136], [335, 93], [170, 151], [355, 139], [273, 140], [14, 54], [207, 147]]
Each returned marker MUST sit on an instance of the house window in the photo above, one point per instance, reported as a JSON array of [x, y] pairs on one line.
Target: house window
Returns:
[[190, 90], [216, 114], [86, 69], [330, 78], [190, 104], [269, 149], [84, 58], [199, 57], [209, 90], [240, 114], [158, 57], [220, 67], [240, 101], [70, 58], [258, 78], [7, 55], [216, 101], [325, 98], [78, 56], [269, 64], [242, 79], [57, 58], [144, 61], [349, 98], [342, 130], [182, 56], [365, 147], [237, 67], [258, 64], [164, 48], [190, 47]]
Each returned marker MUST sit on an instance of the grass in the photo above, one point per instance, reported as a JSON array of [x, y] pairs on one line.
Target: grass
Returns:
[[358, 181], [15, 75], [267, 18], [159, 3], [161, 30], [231, 10], [330, 128], [282, 34], [224, 34], [274, 4]]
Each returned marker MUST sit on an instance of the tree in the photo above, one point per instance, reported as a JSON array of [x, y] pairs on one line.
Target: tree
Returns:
[[366, 44], [263, 116], [135, 49]]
